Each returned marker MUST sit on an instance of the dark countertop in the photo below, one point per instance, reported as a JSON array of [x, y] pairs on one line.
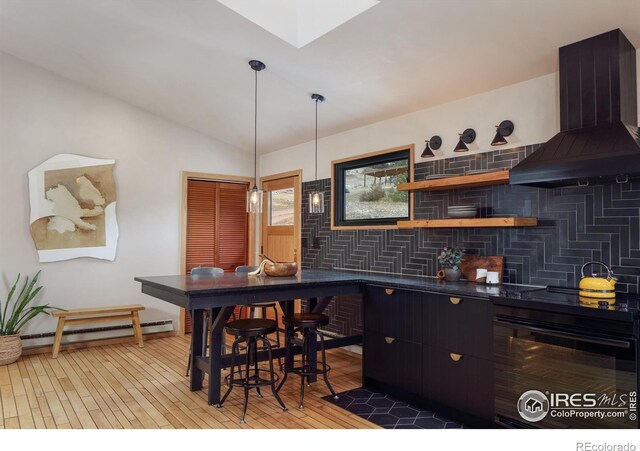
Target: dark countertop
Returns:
[[435, 285], [185, 285], [627, 308], [230, 282]]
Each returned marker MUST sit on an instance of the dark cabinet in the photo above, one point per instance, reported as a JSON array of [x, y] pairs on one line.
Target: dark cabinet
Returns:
[[460, 381], [392, 350], [392, 361], [394, 313], [463, 324], [431, 348]]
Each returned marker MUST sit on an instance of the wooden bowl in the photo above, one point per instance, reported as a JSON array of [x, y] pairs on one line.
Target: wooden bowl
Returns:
[[281, 269]]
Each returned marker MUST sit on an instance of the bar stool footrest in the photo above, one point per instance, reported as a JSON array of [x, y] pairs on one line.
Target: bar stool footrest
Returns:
[[310, 370], [253, 381]]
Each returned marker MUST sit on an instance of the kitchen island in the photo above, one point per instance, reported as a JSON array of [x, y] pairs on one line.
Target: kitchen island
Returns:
[[425, 340], [220, 294]]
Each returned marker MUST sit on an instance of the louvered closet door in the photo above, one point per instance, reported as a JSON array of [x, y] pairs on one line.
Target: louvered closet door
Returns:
[[201, 223], [217, 227], [232, 226]]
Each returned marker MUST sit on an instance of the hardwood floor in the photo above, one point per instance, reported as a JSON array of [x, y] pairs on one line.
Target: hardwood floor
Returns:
[[123, 386]]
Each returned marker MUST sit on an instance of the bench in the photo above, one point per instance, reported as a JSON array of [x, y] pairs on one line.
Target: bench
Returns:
[[97, 315]]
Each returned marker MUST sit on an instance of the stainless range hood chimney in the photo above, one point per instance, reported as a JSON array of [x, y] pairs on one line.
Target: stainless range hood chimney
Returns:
[[599, 137]]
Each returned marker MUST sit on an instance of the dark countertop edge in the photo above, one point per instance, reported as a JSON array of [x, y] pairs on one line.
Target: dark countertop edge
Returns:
[[615, 315], [424, 284], [223, 290], [421, 283]]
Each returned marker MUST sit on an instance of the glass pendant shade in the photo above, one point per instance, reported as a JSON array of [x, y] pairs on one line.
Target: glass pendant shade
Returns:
[[461, 147], [254, 200], [498, 140], [316, 198], [255, 196], [316, 202]]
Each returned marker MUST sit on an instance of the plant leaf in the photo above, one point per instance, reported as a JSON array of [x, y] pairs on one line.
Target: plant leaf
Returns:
[[28, 316], [17, 301], [4, 314], [26, 295], [22, 305]]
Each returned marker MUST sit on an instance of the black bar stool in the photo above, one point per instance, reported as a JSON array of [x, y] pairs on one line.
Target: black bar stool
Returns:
[[250, 331], [262, 308], [307, 324]]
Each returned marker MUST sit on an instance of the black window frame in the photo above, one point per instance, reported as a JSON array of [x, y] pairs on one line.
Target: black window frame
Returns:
[[339, 191]]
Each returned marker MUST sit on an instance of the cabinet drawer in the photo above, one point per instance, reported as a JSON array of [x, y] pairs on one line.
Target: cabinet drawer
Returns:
[[460, 323], [460, 381], [393, 361], [394, 313]]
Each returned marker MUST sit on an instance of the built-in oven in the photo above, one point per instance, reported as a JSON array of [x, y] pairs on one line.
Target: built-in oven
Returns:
[[554, 371]]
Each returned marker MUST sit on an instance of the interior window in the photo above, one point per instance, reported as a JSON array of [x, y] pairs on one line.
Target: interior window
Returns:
[[281, 207], [366, 190]]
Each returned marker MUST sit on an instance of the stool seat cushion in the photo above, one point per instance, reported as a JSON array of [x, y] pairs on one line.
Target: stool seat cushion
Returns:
[[252, 327], [305, 320]]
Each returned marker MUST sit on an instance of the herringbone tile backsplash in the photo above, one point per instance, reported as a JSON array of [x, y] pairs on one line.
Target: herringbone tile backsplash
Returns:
[[575, 225]]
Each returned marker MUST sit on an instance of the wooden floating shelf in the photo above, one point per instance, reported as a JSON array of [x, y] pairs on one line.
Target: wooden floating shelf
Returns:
[[469, 222], [461, 181]]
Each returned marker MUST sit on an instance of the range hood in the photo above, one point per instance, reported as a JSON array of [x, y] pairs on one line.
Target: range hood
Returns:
[[599, 137]]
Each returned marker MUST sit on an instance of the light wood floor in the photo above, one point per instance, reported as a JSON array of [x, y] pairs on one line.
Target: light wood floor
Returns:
[[123, 386]]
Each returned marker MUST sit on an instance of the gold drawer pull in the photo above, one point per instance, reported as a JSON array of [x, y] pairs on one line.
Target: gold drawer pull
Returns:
[[455, 357], [389, 340], [455, 301], [389, 291]]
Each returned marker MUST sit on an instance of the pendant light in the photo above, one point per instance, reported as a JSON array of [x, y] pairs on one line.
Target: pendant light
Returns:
[[316, 198], [255, 195]]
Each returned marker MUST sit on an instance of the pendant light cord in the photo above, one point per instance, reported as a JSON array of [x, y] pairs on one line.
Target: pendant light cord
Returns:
[[255, 136]]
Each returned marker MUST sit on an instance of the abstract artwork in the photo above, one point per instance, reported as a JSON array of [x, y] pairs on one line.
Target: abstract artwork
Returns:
[[73, 208]]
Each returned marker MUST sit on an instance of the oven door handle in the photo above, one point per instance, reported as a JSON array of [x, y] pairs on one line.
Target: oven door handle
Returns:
[[556, 333]]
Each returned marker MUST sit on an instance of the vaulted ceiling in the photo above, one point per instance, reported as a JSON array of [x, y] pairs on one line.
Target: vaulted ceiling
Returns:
[[187, 60]]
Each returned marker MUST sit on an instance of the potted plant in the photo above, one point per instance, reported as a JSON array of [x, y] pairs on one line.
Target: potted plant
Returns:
[[450, 259], [15, 313]]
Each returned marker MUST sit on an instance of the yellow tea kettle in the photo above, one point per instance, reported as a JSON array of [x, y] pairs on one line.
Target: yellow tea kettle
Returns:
[[597, 286]]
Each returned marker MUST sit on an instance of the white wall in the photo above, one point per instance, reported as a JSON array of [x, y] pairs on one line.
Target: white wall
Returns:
[[532, 106], [42, 115]]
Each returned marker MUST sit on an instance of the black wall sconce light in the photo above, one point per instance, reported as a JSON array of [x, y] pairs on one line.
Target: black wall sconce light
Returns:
[[433, 144], [504, 129], [466, 137]]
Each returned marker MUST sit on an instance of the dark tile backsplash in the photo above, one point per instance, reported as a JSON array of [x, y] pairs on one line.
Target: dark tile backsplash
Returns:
[[575, 225]]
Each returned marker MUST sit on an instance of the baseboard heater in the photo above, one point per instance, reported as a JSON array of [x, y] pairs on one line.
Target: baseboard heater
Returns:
[[95, 333]]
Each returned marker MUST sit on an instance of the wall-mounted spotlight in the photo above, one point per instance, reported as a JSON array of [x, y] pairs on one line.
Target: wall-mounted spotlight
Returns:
[[466, 137], [433, 144], [504, 129]]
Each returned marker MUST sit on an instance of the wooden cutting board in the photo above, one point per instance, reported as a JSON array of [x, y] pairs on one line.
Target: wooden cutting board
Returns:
[[473, 262]]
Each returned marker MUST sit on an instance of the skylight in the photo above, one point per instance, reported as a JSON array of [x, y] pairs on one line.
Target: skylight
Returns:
[[299, 22]]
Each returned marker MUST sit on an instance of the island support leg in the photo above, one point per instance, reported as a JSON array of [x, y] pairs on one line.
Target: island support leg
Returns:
[[287, 308], [312, 348], [197, 334], [219, 316]]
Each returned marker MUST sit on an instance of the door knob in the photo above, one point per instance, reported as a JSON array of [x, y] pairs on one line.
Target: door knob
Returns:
[[455, 357], [455, 301], [389, 291], [389, 340]]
